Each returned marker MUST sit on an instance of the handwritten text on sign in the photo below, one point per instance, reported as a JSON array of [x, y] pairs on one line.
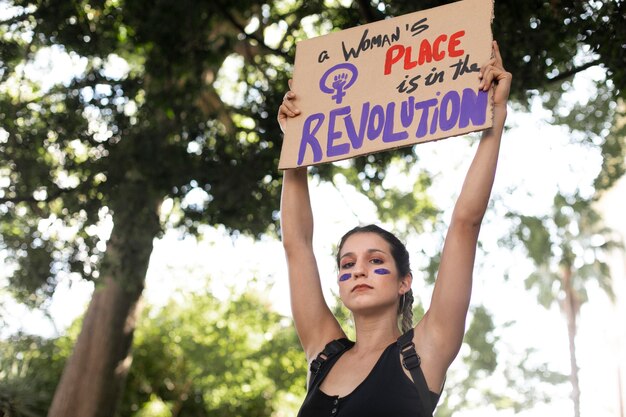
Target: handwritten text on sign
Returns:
[[389, 84], [377, 122]]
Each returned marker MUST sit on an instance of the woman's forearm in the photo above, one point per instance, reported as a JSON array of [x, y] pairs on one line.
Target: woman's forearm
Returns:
[[296, 216], [475, 193]]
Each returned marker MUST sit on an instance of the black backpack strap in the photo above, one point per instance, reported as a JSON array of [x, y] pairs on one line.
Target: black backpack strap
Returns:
[[331, 350], [411, 361]]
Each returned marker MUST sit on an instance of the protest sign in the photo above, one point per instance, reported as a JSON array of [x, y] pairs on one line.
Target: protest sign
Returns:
[[389, 84]]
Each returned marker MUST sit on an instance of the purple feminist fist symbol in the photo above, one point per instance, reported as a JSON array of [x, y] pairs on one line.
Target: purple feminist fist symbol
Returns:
[[343, 76]]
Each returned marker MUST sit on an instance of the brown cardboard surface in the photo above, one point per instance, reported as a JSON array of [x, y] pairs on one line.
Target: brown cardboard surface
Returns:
[[389, 84]]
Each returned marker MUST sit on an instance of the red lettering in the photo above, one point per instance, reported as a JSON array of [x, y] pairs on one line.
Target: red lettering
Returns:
[[408, 64], [426, 54], [391, 57], [454, 42], [437, 54], [427, 51]]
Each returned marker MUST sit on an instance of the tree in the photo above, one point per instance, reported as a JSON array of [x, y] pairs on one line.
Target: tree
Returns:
[[201, 356], [195, 356], [470, 381], [570, 245], [569, 249], [108, 147], [104, 145], [30, 367]]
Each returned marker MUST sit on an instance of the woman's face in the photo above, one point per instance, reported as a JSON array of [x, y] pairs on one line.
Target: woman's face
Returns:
[[368, 276]]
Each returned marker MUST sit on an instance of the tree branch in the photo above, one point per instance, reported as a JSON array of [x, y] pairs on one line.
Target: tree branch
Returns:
[[574, 71], [291, 27], [51, 196], [366, 11], [252, 36]]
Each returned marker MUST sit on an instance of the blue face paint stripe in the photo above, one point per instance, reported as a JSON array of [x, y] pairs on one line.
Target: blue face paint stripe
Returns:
[[345, 277], [382, 271]]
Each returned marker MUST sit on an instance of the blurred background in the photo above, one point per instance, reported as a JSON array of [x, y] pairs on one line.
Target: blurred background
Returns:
[[141, 268]]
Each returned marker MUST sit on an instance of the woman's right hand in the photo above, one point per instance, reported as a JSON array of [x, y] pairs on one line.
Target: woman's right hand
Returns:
[[287, 109]]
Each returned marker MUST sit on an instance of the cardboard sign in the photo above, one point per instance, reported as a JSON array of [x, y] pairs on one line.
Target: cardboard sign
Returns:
[[389, 84]]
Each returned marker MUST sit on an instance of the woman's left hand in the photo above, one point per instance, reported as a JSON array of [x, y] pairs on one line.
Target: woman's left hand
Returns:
[[493, 72]]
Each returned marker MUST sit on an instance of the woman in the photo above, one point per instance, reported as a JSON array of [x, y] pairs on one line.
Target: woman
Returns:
[[364, 378]]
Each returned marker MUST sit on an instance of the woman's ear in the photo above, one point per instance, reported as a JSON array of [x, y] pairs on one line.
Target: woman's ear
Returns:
[[405, 283]]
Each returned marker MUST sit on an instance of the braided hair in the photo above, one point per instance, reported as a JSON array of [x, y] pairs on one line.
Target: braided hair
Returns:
[[401, 258], [405, 311]]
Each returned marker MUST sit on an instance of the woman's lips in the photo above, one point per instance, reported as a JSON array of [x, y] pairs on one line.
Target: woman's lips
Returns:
[[361, 287]]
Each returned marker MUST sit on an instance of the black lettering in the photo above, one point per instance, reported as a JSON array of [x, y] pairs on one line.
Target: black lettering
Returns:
[[396, 35], [366, 43], [347, 54], [434, 77], [419, 26], [462, 67]]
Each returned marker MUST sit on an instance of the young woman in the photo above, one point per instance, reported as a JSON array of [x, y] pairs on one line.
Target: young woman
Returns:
[[382, 373]]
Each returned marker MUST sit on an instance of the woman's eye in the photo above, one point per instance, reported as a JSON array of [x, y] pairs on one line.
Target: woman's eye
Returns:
[[347, 265], [377, 261]]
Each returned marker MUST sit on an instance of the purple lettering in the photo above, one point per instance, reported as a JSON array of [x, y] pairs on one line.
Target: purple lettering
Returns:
[[450, 103], [376, 122], [407, 111], [357, 138], [346, 133], [473, 107], [388, 134], [331, 149], [433, 122], [422, 128], [308, 137]]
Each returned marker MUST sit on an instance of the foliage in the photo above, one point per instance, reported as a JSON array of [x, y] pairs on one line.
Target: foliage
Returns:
[[87, 150], [30, 367], [572, 237], [599, 122], [74, 150], [200, 356], [196, 356], [471, 382], [569, 248], [72, 145]]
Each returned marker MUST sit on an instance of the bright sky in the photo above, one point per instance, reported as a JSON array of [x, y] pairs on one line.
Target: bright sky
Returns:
[[536, 160]]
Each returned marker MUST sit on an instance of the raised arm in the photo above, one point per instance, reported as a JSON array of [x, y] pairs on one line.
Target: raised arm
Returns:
[[443, 326], [314, 321]]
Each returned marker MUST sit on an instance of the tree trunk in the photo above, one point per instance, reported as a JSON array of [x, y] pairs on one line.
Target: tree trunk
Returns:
[[620, 391], [94, 375], [570, 308]]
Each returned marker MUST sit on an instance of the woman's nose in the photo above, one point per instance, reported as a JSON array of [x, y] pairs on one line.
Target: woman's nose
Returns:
[[359, 270]]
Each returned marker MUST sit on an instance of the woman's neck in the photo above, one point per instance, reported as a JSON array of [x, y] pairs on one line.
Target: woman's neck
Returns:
[[374, 333]]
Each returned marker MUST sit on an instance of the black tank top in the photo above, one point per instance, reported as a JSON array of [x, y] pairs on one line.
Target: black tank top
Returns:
[[386, 391]]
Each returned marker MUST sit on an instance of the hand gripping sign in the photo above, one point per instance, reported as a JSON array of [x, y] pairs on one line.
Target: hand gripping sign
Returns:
[[389, 84]]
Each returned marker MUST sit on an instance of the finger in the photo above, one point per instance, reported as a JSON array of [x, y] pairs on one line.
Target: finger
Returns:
[[290, 105], [491, 62], [495, 75], [285, 112], [497, 55], [289, 108], [289, 83], [488, 78], [484, 75], [288, 100], [289, 95]]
